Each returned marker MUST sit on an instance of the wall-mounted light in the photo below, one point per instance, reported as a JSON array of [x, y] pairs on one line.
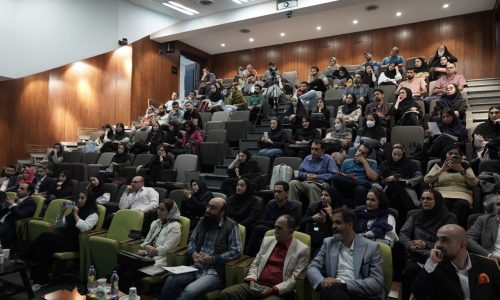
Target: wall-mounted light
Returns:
[[123, 42]]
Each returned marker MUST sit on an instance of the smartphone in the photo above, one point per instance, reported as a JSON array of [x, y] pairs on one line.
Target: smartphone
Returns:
[[266, 136], [70, 205], [256, 289], [456, 159]]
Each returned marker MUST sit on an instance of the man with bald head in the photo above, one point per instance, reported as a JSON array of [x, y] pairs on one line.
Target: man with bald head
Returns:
[[214, 241], [452, 273], [137, 196]]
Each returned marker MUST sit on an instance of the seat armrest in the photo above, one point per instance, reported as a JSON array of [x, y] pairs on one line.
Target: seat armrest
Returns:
[[132, 241], [302, 275], [394, 291], [246, 262], [94, 232], [177, 249]]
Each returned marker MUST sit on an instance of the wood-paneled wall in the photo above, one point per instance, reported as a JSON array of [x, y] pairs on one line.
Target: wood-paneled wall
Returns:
[[471, 38]]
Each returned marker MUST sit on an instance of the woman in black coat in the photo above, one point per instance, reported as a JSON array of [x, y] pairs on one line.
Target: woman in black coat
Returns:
[[243, 207], [274, 143], [195, 205], [156, 167], [242, 167], [405, 110], [63, 187]]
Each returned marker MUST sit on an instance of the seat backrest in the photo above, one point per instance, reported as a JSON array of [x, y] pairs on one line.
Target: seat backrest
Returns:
[[293, 162], [101, 213], [105, 158], [205, 117], [221, 116], [162, 193], [303, 237], [119, 194], [124, 221], [178, 196], [112, 189], [183, 163], [53, 210], [90, 157], [407, 135], [142, 159], [300, 207], [219, 195], [140, 135], [489, 166], [417, 163], [432, 162], [39, 200], [243, 236], [72, 157], [387, 264], [472, 219], [263, 162], [214, 125], [241, 115], [80, 187], [185, 224], [216, 135]]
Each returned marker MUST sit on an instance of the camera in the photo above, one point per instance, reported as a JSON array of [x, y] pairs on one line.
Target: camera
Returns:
[[289, 14]]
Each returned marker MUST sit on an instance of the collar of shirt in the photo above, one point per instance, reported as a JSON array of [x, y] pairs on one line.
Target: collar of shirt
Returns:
[[285, 245], [350, 249], [468, 266]]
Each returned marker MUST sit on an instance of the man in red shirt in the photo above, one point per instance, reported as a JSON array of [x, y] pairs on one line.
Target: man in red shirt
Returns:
[[280, 260]]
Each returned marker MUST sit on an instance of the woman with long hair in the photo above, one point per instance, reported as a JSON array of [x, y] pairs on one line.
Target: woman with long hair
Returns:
[[195, 205]]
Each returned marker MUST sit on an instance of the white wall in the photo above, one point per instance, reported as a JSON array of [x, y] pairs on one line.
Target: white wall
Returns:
[[45, 34]]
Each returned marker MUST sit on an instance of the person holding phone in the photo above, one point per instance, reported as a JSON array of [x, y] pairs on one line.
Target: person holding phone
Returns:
[[454, 178], [82, 217]]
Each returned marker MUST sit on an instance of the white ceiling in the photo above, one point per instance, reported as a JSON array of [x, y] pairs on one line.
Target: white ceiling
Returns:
[[222, 21]]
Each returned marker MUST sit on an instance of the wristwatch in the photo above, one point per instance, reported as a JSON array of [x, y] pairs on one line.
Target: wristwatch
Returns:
[[341, 280], [463, 172]]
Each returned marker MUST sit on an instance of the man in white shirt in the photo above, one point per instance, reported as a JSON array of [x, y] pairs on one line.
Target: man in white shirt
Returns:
[[9, 180], [452, 273], [137, 196]]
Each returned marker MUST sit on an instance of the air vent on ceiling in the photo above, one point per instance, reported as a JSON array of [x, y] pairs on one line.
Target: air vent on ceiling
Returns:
[[206, 2], [244, 30], [371, 7]]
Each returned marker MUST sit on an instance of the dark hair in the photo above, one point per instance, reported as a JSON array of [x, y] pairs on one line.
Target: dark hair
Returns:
[[447, 149], [497, 106], [163, 147], [383, 203], [192, 91], [41, 166], [125, 148], [318, 142], [290, 221], [378, 90], [367, 146], [30, 189], [410, 69], [409, 93], [284, 184], [189, 125], [305, 82], [348, 214], [121, 125], [449, 111], [438, 197], [66, 174], [175, 103], [169, 203], [257, 85], [247, 153], [315, 68]]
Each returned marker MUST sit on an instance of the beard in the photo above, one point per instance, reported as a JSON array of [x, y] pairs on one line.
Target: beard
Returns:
[[210, 221]]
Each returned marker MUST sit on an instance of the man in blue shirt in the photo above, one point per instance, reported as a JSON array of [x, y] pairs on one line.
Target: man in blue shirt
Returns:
[[176, 115], [214, 241], [315, 171], [395, 57], [357, 175]]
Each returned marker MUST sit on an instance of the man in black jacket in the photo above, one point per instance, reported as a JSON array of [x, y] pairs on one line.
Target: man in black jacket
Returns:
[[13, 210]]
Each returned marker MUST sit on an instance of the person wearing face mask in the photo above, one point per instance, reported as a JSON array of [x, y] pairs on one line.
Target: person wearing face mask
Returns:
[[379, 107], [371, 133], [254, 104]]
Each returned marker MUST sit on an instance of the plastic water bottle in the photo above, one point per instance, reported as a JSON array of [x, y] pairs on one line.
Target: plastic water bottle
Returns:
[[91, 279], [114, 285]]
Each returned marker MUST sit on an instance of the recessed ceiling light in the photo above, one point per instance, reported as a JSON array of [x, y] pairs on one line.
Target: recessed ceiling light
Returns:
[[354, 22], [398, 14], [179, 7], [282, 34], [446, 5], [237, 1], [251, 39], [223, 45], [318, 28]]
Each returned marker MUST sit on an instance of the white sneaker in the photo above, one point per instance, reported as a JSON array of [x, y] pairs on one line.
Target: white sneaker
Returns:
[[36, 287]]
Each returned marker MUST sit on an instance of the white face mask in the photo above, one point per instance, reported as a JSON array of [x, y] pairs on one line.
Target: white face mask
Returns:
[[338, 126], [370, 124]]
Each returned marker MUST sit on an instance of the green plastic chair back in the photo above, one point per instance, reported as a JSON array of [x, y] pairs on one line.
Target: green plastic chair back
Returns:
[[37, 227], [185, 223], [39, 200], [303, 237], [124, 221], [101, 212], [387, 265]]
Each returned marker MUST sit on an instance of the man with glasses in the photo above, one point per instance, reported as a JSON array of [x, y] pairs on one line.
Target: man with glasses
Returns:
[[214, 241], [379, 107], [137, 196], [439, 88], [15, 209], [314, 172]]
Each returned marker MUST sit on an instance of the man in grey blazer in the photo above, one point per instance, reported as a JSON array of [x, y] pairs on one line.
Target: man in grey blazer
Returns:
[[483, 238], [274, 270], [348, 266]]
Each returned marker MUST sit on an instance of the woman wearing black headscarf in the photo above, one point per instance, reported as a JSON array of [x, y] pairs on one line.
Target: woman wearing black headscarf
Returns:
[[441, 51], [374, 220], [405, 110], [341, 78], [452, 132], [487, 131], [95, 190], [294, 113], [242, 207], [273, 144], [242, 167], [350, 111], [391, 75], [82, 218], [120, 136], [63, 187], [195, 205], [451, 99], [401, 177], [418, 233], [303, 138]]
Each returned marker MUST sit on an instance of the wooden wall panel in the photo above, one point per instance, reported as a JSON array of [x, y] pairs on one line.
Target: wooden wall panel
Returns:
[[470, 37]]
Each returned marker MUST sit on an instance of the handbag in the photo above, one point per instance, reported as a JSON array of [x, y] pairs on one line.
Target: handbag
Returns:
[[134, 261]]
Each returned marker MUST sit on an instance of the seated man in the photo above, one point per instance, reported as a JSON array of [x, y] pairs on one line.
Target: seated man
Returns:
[[307, 96], [417, 85], [42, 182], [348, 266], [268, 275], [254, 104], [206, 80], [9, 181], [13, 210], [452, 273], [176, 114], [395, 58], [357, 175], [170, 103], [214, 241], [275, 208], [192, 114], [316, 170], [359, 89], [483, 237], [380, 107], [376, 66], [316, 81], [137, 196], [439, 88]]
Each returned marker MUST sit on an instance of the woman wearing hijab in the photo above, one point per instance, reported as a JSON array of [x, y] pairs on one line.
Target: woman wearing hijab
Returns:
[[120, 160], [487, 131], [324, 122], [369, 76], [241, 167], [372, 134], [195, 205], [63, 187], [350, 111], [243, 207], [401, 177], [454, 179], [303, 138], [107, 135], [439, 70], [418, 234], [156, 167], [27, 175], [120, 136], [337, 141], [54, 156], [341, 78], [294, 113], [451, 99], [441, 51], [374, 221], [164, 234], [405, 110], [214, 101], [155, 137], [317, 221], [452, 132], [173, 136], [191, 138], [273, 143], [391, 75], [82, 218], [95, 190], [421, 68]]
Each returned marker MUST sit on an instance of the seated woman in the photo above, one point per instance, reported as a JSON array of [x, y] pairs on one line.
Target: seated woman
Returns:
[[195, 205], [107, 135], [401, 178], [155, 137], [191, 138], [441, 51], [391, 75], [235, 100], [341, 78], [452, 132], [27, 175], [451, 99], [243, 207], [120, 136], [173, 136], [485, 132], [82, 218], [418, 234], [273, 142], [242, 167], [214, 101], [54, 156], [303, 138], [63, 187], [454, 179], [438, 71], [120, 160], [324, 122], [338, 141], [373, 134], [164, 234], [406, 111], [148, 119], [369, 76], [375, 222], [294, 113], [350, 111], [157, 167], [95, 189], [421, 68], [317, 221]]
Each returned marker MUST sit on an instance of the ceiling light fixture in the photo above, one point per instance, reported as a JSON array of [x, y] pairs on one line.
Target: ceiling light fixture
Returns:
[[398, 14], [446, 5], [179, 7], [282, 34], [237, 1], [318, 28], [354, 22], [184, 7], [223, 45], [251, 39]]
